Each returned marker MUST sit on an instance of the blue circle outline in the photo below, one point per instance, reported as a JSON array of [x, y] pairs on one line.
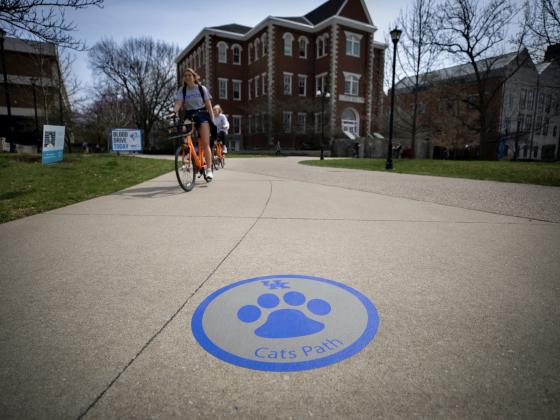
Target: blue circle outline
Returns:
[[367, 336]]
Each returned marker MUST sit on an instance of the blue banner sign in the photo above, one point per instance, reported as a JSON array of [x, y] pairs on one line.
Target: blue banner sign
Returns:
[[53, 143]]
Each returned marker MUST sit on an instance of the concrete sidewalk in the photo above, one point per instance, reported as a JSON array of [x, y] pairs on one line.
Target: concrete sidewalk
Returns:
[[97, 298]]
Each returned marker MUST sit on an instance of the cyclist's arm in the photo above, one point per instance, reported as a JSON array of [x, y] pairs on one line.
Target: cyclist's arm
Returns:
[[178, 105], [208, 104]]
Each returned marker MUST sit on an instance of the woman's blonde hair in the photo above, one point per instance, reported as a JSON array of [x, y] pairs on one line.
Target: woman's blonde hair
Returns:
[[194, 73], [218, 108]]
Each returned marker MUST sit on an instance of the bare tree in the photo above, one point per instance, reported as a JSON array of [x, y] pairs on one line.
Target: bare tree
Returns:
[[417, 54], [144, 71], [477, 34], [541, 25], [44, 20]]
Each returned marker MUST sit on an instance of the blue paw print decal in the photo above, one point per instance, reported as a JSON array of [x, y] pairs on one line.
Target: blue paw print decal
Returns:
[[285, 322]]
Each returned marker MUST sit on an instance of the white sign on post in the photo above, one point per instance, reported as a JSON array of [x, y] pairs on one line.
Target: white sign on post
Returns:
[[53, 143], [126, 140]]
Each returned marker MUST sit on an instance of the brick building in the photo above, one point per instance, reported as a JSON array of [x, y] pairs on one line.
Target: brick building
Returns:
[[522, 114], [266, 77], [36, 91]]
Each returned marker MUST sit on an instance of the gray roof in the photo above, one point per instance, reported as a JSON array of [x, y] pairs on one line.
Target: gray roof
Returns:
[[297, 19], [233, 27], [324, 11], [495, 66]]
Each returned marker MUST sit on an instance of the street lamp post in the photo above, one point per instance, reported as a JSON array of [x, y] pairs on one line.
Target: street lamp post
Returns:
[[395, 36], [323, 95], [7, 93]]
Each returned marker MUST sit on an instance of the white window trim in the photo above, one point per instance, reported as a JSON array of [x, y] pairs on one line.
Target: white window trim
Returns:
[[264, 42], [263, 88], [304, 77], [219, 45], [303, 38], [359, 39], [240, 56], [323, 39], [233, 83], [291, 83], [290, 38], [257, 43], [220, 79], [319, 77], [250, 83], [257, 86], [348, 75]]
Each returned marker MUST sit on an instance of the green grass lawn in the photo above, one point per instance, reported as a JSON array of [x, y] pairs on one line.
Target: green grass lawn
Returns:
[[540, 173], [28, 187]]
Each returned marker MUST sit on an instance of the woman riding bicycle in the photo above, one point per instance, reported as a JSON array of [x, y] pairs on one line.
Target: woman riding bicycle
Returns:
[[222, 123], [196, 101]]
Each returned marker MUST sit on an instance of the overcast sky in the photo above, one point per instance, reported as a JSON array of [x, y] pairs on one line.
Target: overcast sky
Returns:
[[179, 21]]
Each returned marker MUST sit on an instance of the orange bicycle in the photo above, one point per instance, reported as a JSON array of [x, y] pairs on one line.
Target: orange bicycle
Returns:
[[218, 156], [188, 161]]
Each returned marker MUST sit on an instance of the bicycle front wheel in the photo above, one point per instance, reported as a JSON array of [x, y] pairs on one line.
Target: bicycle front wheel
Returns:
[[184, 168]]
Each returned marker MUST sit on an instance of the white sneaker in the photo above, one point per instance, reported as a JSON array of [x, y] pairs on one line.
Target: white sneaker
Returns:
[[209, 175]]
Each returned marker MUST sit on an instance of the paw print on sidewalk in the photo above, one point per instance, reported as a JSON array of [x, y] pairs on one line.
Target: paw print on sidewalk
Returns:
[[285, 322]]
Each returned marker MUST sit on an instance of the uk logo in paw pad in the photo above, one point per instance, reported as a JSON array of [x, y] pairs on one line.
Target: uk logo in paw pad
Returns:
[[285, 323]]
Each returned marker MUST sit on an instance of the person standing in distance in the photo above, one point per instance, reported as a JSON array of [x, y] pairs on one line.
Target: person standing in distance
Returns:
[[196, 101]]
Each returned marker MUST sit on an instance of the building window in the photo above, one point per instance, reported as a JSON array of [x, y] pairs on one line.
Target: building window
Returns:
[[222, 52], [222, 88], [351, 82], [547, 104], [249, 91], [257, 86], [350, 121], [236, 52], [257, 48], [318, 122], [530, 98], [263, 78], [538, 125], [301, 121], [353, 44], [321, 46], [522, 98], [540, 104], [236, 120], [303, 42], [555, 131], [287, 121], [288, 43], [288, 83], [528, 123], [264, 41], [250, 53], [545, 126], [321, 82], [236, 87], [302, 85], [257, 123]]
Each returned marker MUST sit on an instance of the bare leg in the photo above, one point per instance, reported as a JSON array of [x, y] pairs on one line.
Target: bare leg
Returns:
[[205, 143]]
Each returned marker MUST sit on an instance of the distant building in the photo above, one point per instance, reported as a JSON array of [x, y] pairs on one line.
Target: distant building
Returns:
[[266, 77], [36, 90], [523, 114]]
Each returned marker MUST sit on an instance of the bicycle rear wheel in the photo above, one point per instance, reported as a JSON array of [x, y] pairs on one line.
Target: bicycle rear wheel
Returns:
[[184, 168]]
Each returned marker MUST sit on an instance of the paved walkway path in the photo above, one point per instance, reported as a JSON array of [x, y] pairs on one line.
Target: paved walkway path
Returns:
[[97, 298]]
